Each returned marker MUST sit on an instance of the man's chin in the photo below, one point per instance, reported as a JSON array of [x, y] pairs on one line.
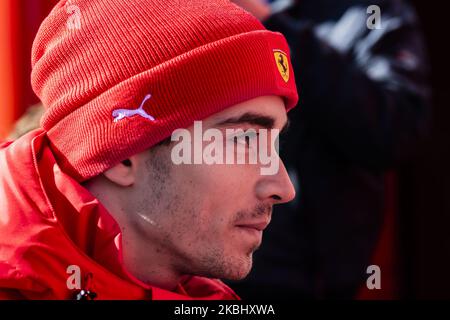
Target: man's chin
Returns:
[[236, 277], [228, 275], [234, 268], [240, 272]]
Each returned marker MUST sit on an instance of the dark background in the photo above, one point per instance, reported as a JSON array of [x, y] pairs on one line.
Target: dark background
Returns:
[[424, 184]]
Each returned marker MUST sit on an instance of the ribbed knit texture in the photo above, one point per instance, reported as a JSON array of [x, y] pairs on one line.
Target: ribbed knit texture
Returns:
[[194, 57]]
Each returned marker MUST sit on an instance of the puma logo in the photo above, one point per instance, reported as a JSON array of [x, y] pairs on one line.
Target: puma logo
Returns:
[[120, 114]]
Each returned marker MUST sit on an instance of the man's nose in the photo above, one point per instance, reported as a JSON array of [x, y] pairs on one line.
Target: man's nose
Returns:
[[277, 187]]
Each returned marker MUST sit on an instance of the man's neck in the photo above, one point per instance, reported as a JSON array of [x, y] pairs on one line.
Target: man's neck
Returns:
[[153, 268]]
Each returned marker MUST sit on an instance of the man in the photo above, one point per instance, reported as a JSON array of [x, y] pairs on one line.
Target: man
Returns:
[[93, 204]]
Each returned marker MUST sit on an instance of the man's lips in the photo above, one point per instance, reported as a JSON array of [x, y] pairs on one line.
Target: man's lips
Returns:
[[259, 226]]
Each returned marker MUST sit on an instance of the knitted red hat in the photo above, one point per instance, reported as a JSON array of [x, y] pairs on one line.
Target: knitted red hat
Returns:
[[117, 77]]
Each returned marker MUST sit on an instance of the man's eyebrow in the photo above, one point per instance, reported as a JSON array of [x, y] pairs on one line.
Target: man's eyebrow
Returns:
[[264, 121]]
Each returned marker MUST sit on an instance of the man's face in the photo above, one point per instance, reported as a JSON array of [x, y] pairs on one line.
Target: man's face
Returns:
[[208, 219]]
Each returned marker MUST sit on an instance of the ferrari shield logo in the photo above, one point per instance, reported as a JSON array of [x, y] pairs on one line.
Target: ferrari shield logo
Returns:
[[282, 63]]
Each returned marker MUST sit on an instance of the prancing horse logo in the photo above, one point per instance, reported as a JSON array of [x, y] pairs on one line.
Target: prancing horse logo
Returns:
[[120, 114], [281, 60]]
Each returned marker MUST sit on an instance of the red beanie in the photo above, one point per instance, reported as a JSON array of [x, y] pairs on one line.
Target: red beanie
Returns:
[[176, 60]]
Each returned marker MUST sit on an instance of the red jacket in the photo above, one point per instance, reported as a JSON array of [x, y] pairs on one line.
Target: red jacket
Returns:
[[49, 222]]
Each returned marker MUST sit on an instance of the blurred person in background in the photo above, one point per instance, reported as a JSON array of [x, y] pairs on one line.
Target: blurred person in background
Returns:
[[364, 96]]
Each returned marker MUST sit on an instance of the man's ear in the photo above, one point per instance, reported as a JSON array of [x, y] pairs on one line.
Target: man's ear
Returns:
[[122, 174]]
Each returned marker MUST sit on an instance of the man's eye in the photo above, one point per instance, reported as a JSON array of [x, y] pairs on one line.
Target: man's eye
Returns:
[[246, 139]]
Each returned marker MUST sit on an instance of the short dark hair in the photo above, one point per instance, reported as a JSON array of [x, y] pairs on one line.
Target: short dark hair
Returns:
[[164, 142]]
